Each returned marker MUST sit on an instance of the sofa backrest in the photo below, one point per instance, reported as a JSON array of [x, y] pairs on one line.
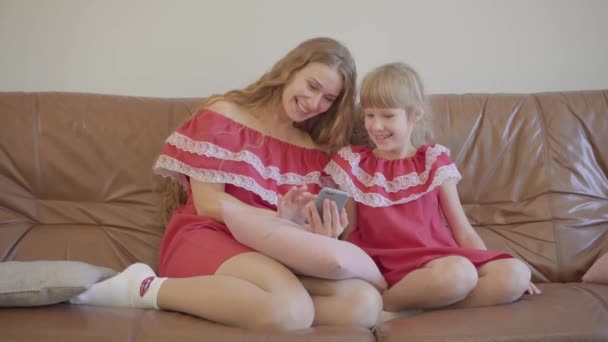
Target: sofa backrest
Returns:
[[75, 174], [76, 180], [534, 174]]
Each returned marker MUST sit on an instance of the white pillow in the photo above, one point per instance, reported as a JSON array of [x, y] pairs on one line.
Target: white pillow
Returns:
[[305, 253], [35, 283]]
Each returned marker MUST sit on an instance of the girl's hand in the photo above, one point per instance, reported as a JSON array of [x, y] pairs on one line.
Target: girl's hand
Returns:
[[533, 290], [333, 223], [292, 205]]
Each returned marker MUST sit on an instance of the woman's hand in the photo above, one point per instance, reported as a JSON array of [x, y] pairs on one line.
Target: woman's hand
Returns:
[[533, 290], [333, 223], [292, 206]]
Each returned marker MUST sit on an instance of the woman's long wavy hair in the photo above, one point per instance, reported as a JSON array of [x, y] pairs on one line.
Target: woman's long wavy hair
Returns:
[[330, 130]]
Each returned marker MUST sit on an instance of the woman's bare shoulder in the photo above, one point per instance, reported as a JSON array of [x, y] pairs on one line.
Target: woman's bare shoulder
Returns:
[[226, 108], [245, 117]]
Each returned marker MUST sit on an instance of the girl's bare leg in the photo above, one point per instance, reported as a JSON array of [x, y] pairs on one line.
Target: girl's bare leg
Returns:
[[500, 281], [438, 283], [350, 302]]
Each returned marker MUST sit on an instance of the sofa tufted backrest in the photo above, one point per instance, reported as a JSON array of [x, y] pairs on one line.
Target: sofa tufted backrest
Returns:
[[534, 174], [75, 176], [76, 180]]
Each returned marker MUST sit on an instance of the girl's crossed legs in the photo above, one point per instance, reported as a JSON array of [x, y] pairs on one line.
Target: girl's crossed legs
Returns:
[[455, 280]]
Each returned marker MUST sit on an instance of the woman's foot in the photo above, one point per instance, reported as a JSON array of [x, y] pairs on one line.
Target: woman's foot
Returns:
[[135, 287]]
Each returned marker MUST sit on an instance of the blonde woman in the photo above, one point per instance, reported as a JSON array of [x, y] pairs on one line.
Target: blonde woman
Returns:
[[260, 146]]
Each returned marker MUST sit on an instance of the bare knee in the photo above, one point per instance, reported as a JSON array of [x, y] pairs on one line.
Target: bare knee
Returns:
[[455, 278], [364, 304], [283, 304], [441, 282], [284, 312], [511, 278]]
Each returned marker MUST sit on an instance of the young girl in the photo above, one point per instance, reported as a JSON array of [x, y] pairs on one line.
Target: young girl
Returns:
[[401, 189]]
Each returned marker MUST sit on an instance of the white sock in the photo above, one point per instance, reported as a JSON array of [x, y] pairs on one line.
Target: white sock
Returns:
[[135, 287]]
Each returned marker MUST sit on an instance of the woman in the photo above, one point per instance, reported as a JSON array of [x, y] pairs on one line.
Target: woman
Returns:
[[250, 147]]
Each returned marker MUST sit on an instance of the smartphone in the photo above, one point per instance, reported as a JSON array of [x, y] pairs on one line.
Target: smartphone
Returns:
[[337, 196]]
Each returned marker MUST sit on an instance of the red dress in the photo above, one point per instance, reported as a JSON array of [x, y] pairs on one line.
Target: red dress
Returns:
[[254, 168], [399, 220]]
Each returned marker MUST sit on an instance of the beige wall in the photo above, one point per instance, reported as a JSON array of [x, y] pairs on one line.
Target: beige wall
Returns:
[[186, 48]]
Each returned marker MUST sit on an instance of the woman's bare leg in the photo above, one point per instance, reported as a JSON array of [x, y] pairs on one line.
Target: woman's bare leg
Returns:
[[438, 283], [500, 281], [350, 302], [249, 290]]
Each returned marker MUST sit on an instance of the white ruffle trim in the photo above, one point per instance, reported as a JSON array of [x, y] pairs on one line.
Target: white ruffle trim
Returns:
[[169, 167], [398, 183], [345, 183], [208, 149]]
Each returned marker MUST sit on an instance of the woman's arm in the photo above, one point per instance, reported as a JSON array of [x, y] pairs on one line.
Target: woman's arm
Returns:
[[208, 197], [454, 214]]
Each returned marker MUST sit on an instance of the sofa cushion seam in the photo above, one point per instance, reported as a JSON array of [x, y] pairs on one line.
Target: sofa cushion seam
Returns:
[[547, 153]]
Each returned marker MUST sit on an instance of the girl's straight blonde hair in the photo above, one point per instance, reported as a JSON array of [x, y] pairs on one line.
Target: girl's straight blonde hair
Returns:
[[398, 85]]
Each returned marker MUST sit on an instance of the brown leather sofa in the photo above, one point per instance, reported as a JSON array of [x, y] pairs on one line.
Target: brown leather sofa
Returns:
[[76, 184]]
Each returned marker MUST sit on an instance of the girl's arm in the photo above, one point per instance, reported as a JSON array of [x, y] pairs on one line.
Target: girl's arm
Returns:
[[351, 213], [463, 232], [454, 214]]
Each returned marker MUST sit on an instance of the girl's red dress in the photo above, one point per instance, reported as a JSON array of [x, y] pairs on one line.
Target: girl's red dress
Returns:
[[399, 220]]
